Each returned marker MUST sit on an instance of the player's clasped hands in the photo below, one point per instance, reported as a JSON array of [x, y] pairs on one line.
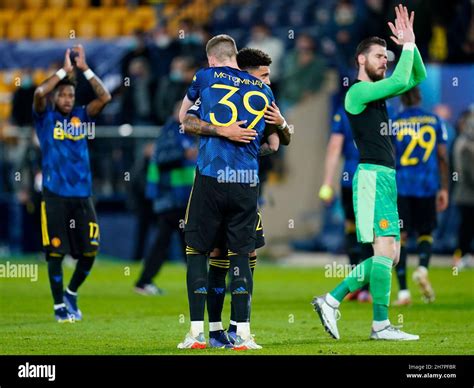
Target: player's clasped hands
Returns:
[[75, 56], [80, 57], [236, 132], [67, 66], [403, 28]]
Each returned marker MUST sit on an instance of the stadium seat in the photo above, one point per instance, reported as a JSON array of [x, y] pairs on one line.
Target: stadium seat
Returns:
[[300, 16], [249, 15], [4, 84], [147, 16], [3, 25], [86, 29], [5, 109], [17, 30], [130, 25], [40, 29], [28, 15], [96, 14], [199, 14], [10, 79], [271, 16], [62, 28], [9, 4], [239, 35], [169, 10], [120, 13], [81, 3], [109, 28], [199, 11], [34, 4], [145, 12], [225, 17], [7, 14], [50, 14], [39, 75], [73, 14]]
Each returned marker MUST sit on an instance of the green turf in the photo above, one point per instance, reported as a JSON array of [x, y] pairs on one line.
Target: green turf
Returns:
[[118, 321]]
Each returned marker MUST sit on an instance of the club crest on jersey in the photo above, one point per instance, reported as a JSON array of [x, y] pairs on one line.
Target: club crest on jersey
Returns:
[[383, 223], [73, 129], [75, 121]]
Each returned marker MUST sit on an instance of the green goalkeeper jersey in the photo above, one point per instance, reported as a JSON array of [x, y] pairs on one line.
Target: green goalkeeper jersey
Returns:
[[367, 111]]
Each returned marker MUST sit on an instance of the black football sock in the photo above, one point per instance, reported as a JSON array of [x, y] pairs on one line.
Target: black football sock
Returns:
[[218, 268], [352, 248], [425, 244], [55, 274], [241, 286], [83, 268], [401, 268], [196, 280], [232, 326], [366, 251]]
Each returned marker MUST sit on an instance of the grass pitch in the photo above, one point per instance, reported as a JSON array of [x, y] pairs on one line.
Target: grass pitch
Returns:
[[119, 322]]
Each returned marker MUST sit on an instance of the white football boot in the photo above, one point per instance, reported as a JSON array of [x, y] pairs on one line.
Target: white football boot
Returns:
[[329, 315]]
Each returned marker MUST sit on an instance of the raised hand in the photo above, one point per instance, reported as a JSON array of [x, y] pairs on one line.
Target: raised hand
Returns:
[[403, 29], [80, 58]]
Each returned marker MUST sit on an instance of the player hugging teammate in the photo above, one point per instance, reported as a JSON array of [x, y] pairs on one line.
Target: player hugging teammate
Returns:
[[220, 100]]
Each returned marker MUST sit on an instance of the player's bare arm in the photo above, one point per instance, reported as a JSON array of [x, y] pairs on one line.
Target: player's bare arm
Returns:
[[270, 146], [442, 197], [274, 116], [46, 87], [235, 132], [103, 96], [336, 141]]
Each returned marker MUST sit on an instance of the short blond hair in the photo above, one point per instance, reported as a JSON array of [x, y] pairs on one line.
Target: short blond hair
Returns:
[[222, 47]]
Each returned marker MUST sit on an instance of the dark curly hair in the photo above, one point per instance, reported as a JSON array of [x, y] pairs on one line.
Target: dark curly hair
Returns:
[[66, 82]]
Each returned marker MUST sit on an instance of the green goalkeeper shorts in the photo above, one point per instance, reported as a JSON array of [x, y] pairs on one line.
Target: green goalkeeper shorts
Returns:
[[375, 202]]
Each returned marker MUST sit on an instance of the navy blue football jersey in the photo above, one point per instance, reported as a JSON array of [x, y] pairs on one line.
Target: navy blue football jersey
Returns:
[[227, 95], [65, 155], [418, 134]]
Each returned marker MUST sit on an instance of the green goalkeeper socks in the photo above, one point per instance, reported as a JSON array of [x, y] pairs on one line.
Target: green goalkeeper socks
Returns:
[[380, 286], [378, 271], [341, 290], [356, 279], [360, 275]]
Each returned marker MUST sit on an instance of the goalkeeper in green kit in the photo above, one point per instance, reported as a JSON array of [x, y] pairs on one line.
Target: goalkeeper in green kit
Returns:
[[374, 185]]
